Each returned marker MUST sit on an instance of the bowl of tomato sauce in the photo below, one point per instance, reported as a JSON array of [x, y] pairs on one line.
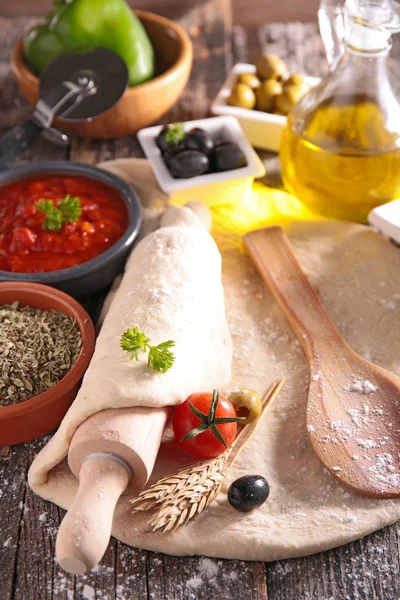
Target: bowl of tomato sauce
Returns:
[[66, 224]]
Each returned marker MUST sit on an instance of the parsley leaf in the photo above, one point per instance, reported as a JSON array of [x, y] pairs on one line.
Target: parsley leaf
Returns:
[[71, 208], [54, 218], [68, 211], [160, 357], [175, 134], [134, 340]]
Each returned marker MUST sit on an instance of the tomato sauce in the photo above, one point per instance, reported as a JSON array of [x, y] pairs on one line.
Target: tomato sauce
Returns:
[[25, 247]]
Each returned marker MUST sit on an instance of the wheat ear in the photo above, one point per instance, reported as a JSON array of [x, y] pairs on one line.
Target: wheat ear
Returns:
[[179, 497]]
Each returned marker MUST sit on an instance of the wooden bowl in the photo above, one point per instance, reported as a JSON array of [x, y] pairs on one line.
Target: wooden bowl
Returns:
[[140, 105], [33, 418]]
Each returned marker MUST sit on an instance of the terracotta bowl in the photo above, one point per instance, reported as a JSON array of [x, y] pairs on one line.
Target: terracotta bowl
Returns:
[[140, 105], [33, 418]]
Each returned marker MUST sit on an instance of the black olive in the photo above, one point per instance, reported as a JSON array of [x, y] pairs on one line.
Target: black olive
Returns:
[[227, 157], [172, 151], [188, 163], [219, 143], [248, 492], [198, 139], [160, 139]]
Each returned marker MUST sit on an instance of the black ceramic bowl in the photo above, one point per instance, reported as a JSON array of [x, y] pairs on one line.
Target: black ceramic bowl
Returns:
[[93, 275]]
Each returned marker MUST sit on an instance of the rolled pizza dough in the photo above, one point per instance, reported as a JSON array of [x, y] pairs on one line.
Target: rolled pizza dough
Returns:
[[165, 292], [356, 274]]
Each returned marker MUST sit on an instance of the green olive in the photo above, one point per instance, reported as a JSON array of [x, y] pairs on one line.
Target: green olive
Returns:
[[247, 403], [249, 79], [294, 79], [242, 95], [266, 95], [290, 95], [270, 66]]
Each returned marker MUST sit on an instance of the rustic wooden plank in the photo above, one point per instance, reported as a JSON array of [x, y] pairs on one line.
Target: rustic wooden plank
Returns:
[[245, 12], [14, 107], [94, 151], [201, 578], [36, 571], [132, 573], [13, 470], [298, 44], [365, 570], [173, 9], [209, 27]]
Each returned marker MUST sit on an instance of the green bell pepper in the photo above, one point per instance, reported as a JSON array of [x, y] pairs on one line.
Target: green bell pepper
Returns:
[[81, 25]]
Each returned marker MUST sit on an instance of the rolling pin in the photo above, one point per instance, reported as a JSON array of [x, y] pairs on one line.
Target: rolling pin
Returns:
[[111, 453]]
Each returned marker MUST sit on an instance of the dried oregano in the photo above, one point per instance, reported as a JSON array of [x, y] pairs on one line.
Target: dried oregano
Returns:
[[37, 349]]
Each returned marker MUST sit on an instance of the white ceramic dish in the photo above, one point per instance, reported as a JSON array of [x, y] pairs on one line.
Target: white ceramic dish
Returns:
[[386, 219], [263, 130], [211, 188]]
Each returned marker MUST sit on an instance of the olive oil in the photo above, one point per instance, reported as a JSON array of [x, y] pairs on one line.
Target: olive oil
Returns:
[[345, 162]]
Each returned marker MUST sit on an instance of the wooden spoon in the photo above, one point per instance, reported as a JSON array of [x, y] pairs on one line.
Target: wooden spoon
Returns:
[[353, 417]]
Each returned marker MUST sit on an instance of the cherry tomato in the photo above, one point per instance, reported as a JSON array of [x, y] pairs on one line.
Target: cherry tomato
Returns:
[[205, 444]]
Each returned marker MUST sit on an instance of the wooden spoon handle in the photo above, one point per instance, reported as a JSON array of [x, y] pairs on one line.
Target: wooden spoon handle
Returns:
[[273, 256], [86, 528]]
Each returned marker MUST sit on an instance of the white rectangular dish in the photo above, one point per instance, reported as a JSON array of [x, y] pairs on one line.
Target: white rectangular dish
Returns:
[[210, 188], [386, 219], [263, 130]]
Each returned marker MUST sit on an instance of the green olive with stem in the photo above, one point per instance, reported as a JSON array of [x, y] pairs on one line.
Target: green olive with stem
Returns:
[[247, 403]]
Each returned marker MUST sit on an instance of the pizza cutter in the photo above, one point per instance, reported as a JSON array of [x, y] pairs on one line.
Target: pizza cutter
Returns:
[[73, 87]]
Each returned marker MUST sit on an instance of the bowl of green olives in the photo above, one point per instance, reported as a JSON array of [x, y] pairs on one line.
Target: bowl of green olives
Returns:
[[208, 160], [260, 96]]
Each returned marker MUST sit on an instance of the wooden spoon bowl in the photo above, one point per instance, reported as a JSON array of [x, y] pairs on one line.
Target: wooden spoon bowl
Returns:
[[353, 410]]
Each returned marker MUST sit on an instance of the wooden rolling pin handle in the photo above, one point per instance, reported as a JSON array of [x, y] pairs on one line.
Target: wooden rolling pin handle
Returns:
[[273, 256], [86, 529], [111, 453]]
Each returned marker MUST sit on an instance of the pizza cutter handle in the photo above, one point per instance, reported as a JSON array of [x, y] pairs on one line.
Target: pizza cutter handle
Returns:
[[13, 143]]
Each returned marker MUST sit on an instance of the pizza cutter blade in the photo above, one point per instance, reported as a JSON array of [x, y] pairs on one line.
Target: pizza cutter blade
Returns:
[[73, 87]]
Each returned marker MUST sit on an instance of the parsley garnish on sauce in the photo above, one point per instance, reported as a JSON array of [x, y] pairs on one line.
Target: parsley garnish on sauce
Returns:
[[68, 211]]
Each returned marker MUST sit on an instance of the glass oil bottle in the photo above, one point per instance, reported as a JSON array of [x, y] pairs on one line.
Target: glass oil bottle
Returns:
[[340, 152]]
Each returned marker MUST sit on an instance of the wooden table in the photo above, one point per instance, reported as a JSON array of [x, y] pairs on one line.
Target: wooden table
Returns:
[[364, 570], [244, 12]]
